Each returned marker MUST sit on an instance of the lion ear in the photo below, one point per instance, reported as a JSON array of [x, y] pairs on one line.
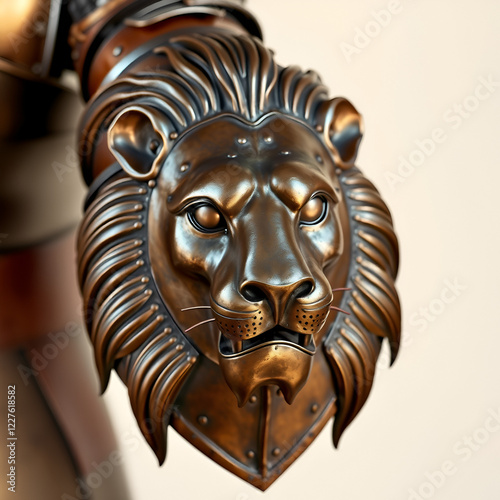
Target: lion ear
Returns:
[[342, 126], [137, 140]]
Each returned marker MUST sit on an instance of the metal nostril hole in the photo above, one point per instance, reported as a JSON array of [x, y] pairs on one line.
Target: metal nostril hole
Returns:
[[253, 293], [304, 289]]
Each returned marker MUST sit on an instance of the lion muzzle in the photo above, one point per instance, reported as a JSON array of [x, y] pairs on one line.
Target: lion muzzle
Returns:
[[273, 344]]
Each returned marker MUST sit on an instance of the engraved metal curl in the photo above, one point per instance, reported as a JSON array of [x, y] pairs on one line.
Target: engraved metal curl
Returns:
[[354, 344], [128, 324], [238, 65]]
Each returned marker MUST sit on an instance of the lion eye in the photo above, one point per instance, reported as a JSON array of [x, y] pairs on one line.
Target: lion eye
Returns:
[[313, 211], [206, 219]]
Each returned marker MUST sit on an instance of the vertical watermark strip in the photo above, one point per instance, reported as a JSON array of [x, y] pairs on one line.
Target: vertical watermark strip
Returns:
[[11, 438]]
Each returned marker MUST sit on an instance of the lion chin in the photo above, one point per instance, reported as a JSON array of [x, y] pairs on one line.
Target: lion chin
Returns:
[[278, 357]]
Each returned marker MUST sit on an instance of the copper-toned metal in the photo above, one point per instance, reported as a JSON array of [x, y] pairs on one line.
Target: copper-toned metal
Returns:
[[28, 33], [117, 34], [313, 210], [206, 217], [237, 268]]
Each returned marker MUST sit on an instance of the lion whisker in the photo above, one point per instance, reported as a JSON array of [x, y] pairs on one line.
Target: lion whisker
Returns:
[[244, 318], [199, 324], [340, 310]]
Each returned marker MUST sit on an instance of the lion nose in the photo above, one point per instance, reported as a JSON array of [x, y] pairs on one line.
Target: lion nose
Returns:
[[278, 296]]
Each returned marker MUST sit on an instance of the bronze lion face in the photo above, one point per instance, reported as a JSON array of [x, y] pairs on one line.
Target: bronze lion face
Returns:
[[237, 268], [246, 222]]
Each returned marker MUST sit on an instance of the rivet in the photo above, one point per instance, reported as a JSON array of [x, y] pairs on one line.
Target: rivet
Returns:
[[173, 135], [242, 140], [319, 159], [151, 184], [153, 146], [286, 153], [184, 167], [338, 171], [251, 454], [276, 452], [268, 140], [117, 50], [319, 128], [232, 156], [314, 408], [253, 399], [203, 420]]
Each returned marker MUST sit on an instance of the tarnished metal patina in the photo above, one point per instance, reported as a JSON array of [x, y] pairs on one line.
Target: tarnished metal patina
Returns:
[[237, 268]]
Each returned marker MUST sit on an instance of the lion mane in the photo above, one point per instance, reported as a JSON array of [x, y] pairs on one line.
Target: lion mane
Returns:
[[129, 324]]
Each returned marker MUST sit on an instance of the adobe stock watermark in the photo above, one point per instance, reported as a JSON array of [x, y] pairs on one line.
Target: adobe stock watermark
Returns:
[[453, 118], [364, 36], [37, 24], [71, 164], [242, 496], [419, 321], [86, 487], [463, 450], [451, 290], [40, 359], [102, 471]]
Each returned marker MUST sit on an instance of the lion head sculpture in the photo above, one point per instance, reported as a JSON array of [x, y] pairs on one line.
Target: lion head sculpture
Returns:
[[237, 268]]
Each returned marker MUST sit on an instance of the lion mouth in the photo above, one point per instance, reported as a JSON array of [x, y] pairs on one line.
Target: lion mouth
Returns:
[[279, 357], [278, 335]]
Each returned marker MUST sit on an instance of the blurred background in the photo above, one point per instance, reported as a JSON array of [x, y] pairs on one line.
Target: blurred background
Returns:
[[426, 77]]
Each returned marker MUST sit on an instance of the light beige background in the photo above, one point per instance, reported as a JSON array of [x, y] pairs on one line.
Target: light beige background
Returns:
[[446, 382]]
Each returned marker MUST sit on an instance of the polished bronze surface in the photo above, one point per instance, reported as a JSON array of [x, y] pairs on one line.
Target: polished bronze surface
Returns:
[[121, 31], [237, 268], [25, 36]]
